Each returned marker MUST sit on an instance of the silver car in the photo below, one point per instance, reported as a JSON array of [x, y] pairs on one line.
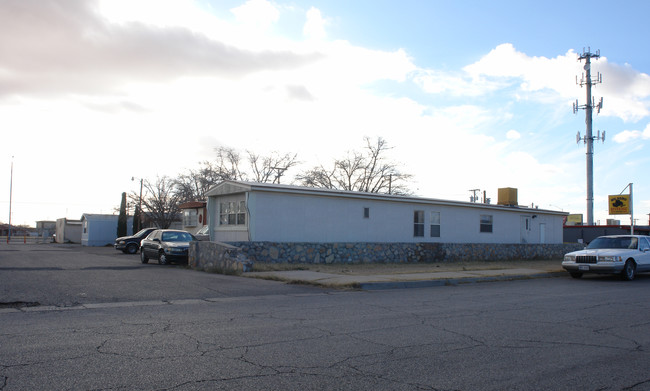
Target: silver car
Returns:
[[617, 254]]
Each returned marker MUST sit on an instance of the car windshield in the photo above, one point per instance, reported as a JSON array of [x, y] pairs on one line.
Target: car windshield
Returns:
[[628, 242], [176, 237], [142, 232]]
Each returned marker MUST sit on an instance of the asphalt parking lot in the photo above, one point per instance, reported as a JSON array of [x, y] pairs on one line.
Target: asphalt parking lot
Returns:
[[69, 275], [85, 318]]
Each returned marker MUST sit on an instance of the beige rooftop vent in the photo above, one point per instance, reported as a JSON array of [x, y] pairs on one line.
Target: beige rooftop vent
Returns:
[[507, 196]]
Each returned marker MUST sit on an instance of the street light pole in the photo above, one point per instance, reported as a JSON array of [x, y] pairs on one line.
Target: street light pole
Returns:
[[11, 192], [140, 199], [139, 204]]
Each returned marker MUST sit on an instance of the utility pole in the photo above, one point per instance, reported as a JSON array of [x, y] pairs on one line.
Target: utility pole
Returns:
[[279, 172], [474, 198], [11, 193], [587, 80], [139, 224]]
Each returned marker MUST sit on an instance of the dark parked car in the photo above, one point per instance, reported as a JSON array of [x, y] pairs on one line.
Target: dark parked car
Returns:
[[131, 244], [166, 245]]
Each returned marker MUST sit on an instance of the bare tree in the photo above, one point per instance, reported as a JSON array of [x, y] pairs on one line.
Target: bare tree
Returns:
[[271, 167], [192, 185], [160, 201], [227, 164], [368, 171], [318, 177]]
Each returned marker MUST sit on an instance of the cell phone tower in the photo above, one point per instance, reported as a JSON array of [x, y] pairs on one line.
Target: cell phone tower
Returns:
[[588, 139]]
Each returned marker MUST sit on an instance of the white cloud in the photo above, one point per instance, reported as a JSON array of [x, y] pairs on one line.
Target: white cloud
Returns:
[[626, 91], [627, 135], [315, 25], [503, 68], [89, 55], [257, 14], [513, 135], [457, 84], [533, 74], [186, 81], [631, 135]]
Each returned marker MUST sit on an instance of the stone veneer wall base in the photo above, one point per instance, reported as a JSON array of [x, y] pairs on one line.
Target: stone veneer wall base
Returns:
[[217, 258], [274, 252]]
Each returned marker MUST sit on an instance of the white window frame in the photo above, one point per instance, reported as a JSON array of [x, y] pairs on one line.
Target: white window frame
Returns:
[[232, 213], [190, 218], [486, 224], [418, 224], [435, 224]]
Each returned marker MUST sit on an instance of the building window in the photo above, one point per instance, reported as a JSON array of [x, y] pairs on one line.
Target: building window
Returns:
[[418, 223], [190, 217], [486, 223], [232, 213], [241, 213], [366, 213], [435, 224]]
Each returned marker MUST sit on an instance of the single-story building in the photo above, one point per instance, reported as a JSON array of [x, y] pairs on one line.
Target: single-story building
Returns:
[[246, 211], [46, 228], [68, 231], [194, 215], [271, 215], [587, 233], [101, 229]]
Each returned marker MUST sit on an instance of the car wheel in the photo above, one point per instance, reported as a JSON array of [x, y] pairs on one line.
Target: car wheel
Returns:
[[629, 270], [143, 257], [576, 274], [132, 248], [162, 258]]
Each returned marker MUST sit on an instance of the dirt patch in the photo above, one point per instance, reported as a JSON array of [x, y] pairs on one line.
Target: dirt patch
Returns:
[[406, 268], [19, 304]]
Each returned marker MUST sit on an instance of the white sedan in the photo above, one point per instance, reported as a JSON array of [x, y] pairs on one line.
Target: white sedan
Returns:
[[618, 254]]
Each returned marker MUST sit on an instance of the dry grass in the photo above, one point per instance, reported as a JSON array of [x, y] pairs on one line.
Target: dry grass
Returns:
[[405, 268]]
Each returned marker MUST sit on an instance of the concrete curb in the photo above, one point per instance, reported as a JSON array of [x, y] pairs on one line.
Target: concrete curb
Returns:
[[368, 286], [382, 282]]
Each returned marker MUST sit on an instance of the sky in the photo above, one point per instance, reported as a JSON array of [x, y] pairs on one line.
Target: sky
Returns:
[[468, 95]]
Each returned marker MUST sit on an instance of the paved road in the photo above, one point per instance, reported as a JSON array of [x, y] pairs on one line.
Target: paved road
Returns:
[[69, 275], [222, 332]]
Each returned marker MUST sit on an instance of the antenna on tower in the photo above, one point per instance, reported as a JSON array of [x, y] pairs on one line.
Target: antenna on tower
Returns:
[[589, 81]]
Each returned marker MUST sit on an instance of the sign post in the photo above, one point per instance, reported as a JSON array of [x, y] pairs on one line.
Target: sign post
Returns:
[[622, 204]]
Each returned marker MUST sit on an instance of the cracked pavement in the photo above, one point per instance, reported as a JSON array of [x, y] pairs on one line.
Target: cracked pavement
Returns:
[[234, 333]]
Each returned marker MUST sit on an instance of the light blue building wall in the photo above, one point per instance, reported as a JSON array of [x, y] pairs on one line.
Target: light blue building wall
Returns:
[[100, 230], [282, 213]]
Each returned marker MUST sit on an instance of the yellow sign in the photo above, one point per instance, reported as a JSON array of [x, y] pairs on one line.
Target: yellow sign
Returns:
[[574, 219], [619, 204]]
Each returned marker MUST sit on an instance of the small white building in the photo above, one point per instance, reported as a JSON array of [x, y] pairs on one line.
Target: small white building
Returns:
[[46, 228], [194, 215], [68, 231], [262, 212], [101, 230]]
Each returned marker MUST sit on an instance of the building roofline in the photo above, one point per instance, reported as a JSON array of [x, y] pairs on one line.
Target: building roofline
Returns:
[[292, 189], [192, 204], [100, 215]]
